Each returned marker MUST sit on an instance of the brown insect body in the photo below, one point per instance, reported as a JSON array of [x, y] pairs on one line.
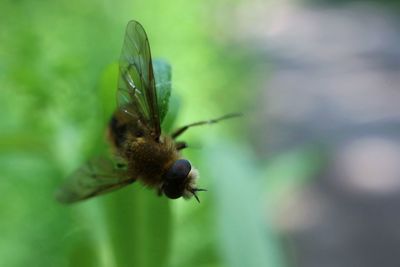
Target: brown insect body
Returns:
[[147, 159], [135, 134]]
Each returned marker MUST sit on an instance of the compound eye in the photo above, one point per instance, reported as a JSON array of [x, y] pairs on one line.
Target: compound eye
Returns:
[[179, 170], [173, 190]]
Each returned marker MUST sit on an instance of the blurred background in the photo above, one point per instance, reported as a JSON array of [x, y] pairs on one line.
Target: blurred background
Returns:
[[310, 176]]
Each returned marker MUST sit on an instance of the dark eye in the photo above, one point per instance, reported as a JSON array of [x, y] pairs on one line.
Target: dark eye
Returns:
[[179, 170], [173, 188]]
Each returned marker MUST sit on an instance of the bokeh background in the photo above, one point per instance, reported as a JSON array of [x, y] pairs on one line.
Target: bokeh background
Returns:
[[310, 176]]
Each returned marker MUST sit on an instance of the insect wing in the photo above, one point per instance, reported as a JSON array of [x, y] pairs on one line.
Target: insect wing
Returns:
[[136, 85], [96, 177]]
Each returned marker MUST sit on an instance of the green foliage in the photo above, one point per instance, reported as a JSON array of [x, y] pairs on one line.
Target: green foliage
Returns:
[[244, 237], [162, 75], [139, 224], [57, 91]]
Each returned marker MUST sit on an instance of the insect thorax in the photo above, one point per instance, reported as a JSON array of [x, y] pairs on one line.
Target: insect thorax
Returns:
[[149, 159]]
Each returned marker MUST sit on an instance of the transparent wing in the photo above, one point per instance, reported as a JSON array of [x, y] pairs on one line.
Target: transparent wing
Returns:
[[96, 177], [136, 85]]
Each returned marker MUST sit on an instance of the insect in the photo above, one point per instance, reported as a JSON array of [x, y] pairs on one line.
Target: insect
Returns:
[[142, 152]]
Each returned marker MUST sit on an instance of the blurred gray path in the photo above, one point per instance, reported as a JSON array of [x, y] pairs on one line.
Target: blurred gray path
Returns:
[[336, 83]]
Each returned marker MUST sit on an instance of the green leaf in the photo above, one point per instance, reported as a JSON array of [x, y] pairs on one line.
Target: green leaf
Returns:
[[108, 90], [162, 75], [138, 221], [245, 237], [139, 227], [170, 118]]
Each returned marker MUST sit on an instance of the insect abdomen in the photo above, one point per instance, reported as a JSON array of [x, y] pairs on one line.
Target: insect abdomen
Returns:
[[117, 132]]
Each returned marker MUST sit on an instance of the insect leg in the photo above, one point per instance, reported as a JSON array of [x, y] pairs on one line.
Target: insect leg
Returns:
[[181, 130], [181, 145]]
